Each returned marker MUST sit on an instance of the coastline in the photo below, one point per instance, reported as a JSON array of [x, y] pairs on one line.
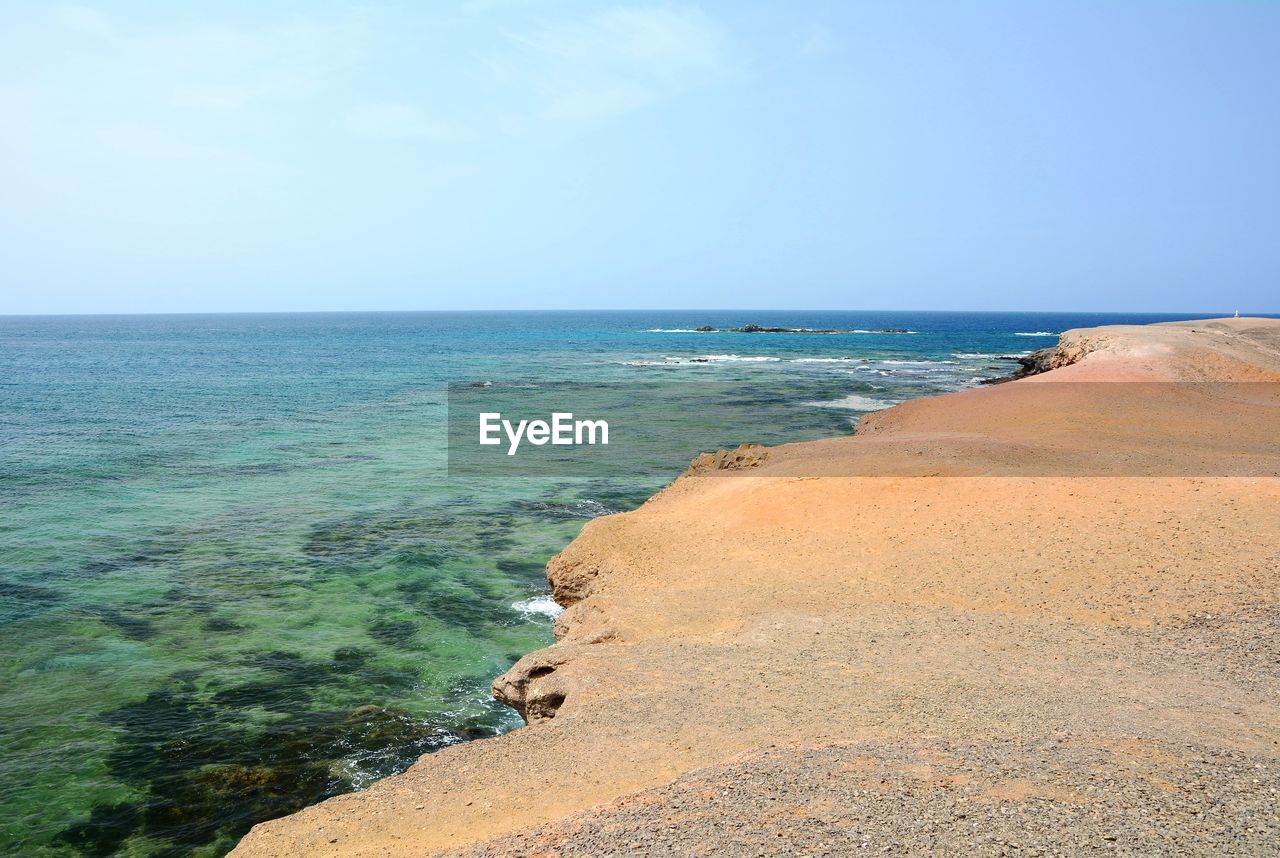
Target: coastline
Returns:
[[946, 601]]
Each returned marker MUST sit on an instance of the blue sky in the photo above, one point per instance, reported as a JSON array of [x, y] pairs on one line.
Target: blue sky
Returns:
[[162, 157]]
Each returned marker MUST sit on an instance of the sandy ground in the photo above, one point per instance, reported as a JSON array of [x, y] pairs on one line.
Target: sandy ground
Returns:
[[1034, 618]]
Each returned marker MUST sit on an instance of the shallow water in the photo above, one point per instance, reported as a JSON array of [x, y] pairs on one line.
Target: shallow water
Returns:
[[235, 577]]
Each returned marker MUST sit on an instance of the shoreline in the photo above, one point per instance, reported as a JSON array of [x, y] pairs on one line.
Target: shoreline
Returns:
[[924, 616]]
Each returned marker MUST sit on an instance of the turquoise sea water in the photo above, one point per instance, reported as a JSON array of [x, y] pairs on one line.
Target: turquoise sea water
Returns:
[[235, 576]]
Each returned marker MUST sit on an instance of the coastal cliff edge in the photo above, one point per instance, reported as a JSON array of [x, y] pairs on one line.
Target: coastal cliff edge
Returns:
[[1037, 616]]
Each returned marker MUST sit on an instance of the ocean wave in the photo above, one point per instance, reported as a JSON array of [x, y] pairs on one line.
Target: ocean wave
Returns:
[[862, 364], [916, 362], [835, 333], [857, 402], [361, 767], [1035, 334], [566, 509], [913, 370], [702, 359], [538, 606], [737, 359], [677, 331]]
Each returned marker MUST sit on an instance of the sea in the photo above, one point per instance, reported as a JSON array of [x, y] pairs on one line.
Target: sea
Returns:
[[236, 576]]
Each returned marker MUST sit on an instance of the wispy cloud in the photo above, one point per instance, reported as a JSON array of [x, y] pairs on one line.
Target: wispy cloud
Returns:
[[82, 19], [397, 120], [221, 67], [163, 147], [234, 94], [615, 61], [818, 43], [161, 91]]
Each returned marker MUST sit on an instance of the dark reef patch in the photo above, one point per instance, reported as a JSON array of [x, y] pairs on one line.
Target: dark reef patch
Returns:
[[106, 829], [420, 558], [158, 550], [494, 544], [523, 568], [265, 693], [206, 769], [364, 539], [399, 633], [20, 601], [127, 623], [221, 624], [28, 593], [349, 657], [461, 603]]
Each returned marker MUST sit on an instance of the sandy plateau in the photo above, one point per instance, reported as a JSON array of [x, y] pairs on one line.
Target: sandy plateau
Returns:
[[1037, 617]]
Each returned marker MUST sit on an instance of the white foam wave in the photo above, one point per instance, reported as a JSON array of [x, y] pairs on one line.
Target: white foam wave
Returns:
[[828, 360], [737, 359], [916, 362], [543, 606], [852, 331], [701, 359], [677, 331], [857, 402], [361, 768], [1035, 334], [989, 355]]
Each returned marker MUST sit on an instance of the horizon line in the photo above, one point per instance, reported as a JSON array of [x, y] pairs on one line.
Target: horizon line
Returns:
[[122, 314]]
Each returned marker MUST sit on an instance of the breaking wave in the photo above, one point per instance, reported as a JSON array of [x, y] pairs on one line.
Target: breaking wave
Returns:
[[538, 606], [857, 402]]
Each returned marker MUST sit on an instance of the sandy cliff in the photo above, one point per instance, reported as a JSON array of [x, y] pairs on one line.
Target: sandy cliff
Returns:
[[1040, 615]]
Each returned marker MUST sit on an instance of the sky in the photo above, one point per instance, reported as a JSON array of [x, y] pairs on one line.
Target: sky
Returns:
[[496, 154]]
